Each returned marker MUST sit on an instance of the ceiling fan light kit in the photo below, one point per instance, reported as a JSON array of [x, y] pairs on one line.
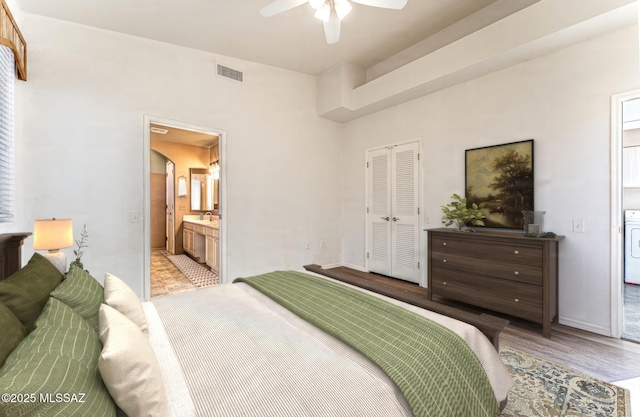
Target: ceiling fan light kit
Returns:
[[331, 12]]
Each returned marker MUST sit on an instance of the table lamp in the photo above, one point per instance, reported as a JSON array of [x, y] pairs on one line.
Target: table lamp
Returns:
[[53, 235]]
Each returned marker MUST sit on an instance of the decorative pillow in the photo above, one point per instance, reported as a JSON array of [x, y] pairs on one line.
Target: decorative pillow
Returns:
[[13, 332], [129, 367], [27, 291], [67, 334], [56, 366], [118, 295], [82, 293]]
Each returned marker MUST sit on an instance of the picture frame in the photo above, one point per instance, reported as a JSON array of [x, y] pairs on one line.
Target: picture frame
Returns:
[[501, 177]]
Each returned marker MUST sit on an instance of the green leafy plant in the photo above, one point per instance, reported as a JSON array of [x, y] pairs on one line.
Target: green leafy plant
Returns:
[[82, 243], [457, 212]]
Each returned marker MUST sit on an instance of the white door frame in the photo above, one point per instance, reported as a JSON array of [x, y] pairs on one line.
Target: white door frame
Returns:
[[422, 281], [617, 227], [146, 155], [170, 211]]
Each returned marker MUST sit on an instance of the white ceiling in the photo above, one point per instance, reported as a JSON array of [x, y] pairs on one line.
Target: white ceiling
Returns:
[[292, 40]]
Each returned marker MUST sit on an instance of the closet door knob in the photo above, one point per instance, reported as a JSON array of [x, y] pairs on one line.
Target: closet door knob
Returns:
[[385, 218], [395, 219]]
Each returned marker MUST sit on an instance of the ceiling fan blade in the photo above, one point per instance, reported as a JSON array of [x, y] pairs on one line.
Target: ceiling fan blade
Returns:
[[387, 4], [280, 6], [332, 29]]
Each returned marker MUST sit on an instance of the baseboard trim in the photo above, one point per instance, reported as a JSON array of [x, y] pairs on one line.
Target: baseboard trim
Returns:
[[585, 326]]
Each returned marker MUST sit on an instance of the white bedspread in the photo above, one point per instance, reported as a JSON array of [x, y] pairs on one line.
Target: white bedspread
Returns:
[[238, 353]]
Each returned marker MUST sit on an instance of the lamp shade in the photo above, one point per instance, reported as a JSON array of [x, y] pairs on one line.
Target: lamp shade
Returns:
[[51, 234]]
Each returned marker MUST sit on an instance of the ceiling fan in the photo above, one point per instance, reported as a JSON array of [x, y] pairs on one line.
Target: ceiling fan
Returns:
[[331, 12]]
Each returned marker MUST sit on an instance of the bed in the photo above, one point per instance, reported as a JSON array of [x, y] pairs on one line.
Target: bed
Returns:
[[236, 350]]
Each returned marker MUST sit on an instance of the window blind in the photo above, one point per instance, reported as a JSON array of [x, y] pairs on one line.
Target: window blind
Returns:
[[7, 87]]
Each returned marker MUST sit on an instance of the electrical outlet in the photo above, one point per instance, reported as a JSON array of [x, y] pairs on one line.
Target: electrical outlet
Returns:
[[322, 243], [578, 226], [307, 245]]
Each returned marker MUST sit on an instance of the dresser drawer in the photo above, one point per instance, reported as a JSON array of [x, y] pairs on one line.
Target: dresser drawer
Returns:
[[513, 298], [510, 271], [516, 253]]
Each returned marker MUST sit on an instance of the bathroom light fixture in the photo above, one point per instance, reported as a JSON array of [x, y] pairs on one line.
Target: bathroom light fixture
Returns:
[[159, 131], [214, 168], [53, 235]]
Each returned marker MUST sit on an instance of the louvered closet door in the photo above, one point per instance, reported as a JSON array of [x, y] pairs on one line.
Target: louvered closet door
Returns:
[[404, 208], [379, 217], [393, 217]]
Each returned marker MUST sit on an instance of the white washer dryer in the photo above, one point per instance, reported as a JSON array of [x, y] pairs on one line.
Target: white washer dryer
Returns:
[[632, 246]]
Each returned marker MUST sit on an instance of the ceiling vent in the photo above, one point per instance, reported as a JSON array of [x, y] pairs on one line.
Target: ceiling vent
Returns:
[[229, 73], [159, 130]]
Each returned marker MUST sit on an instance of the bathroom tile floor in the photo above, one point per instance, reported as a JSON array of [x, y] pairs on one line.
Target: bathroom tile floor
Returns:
[[165, 277]]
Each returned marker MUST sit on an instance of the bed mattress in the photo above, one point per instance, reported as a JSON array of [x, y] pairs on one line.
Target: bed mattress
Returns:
[[228, 350]]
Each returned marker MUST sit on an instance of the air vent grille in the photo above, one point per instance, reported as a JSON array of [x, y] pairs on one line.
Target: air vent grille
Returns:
[[230, 73]]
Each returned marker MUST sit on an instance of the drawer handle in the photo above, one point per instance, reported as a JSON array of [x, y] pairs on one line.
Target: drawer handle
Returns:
[[517, 273], [444, 243], [444, 260], [516, 252], [444, 282], [516, 300]]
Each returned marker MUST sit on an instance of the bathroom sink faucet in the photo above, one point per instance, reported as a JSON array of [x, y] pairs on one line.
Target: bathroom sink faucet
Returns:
[[210, 215]]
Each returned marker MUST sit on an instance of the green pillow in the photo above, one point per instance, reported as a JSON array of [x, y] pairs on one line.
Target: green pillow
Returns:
[[27, 291], [13, 332], [60, 356], [67, 334], [46, 379], [82, 293]]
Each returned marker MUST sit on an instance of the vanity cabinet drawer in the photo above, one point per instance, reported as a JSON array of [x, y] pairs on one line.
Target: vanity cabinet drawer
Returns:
[[513, 298], [210, 231], [189, 226], [198, 229]]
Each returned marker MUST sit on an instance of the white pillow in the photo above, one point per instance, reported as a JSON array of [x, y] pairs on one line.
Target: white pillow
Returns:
[[129, 367], [118, 295]]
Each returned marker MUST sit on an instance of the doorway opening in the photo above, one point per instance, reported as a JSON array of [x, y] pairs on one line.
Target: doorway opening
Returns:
[[625, 215], [184, 184]]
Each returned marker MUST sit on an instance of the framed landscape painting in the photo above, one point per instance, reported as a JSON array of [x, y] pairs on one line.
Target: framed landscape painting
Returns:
[[501, 177]]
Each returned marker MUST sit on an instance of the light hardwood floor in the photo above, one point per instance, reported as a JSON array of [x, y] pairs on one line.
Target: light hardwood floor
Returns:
[[599, 356]]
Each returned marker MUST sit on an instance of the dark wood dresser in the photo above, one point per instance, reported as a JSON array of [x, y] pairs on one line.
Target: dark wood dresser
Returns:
[[500, 271]]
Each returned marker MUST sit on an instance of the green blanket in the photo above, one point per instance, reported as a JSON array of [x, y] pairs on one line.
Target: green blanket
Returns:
[[434, 368]]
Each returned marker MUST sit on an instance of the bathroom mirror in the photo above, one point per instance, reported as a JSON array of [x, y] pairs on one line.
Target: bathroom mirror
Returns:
[[204, 190]]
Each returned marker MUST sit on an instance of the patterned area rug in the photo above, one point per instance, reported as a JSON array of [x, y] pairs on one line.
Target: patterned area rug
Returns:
[[544, 389], [196, 273]]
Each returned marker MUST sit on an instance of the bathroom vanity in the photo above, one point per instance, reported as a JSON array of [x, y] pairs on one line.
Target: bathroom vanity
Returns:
[[201, 240]]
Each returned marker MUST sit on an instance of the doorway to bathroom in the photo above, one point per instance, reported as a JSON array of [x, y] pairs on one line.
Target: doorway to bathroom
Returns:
[[184, 202]]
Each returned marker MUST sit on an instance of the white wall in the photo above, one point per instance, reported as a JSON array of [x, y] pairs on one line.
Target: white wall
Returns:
[[561, 100], [82, 147]]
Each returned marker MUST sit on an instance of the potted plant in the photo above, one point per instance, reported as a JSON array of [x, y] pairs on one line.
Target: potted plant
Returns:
[[82, 243], [457, 212]]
